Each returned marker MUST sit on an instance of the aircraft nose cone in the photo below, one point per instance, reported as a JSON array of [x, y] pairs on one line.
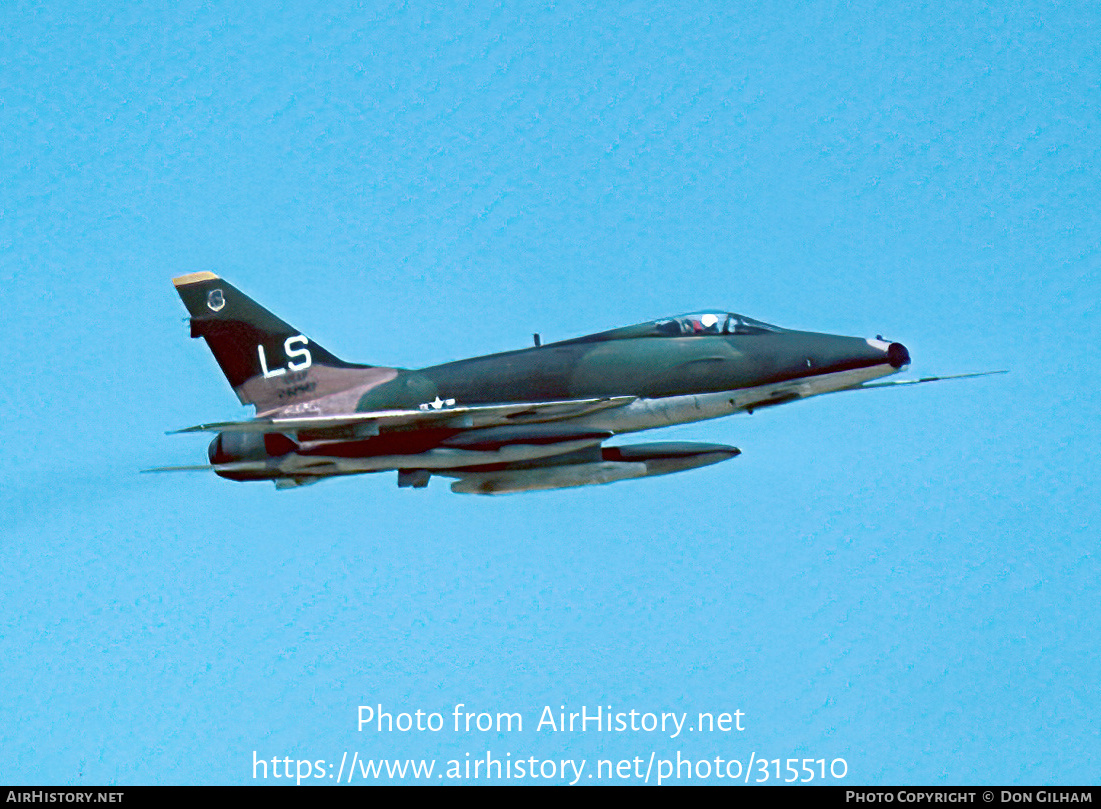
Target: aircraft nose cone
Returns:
[[897, 355]]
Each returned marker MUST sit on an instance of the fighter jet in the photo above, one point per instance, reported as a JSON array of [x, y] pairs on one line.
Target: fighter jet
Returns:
[[536, 418]]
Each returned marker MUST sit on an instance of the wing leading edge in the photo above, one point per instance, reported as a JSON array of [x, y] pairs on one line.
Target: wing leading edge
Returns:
[[462, 417]]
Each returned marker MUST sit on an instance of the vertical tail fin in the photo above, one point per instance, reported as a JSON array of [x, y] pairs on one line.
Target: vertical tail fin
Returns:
[[268, 362]]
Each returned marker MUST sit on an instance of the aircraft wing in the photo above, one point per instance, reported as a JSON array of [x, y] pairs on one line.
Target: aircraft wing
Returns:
[[463, 417]]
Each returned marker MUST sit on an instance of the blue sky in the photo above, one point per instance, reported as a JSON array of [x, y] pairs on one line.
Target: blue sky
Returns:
[[903, 579]]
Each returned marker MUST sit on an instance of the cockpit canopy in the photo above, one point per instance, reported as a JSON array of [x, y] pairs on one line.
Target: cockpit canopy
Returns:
[[697, 324], [711, 323]]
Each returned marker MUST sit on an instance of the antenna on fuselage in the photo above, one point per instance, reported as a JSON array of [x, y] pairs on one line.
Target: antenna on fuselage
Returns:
[[538, 342]]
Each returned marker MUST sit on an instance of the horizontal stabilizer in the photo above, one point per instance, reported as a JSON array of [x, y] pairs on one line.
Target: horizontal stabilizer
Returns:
[[195, 468]]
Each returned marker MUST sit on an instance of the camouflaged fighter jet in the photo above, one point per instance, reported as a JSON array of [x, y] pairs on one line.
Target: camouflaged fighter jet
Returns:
[[519, 421]]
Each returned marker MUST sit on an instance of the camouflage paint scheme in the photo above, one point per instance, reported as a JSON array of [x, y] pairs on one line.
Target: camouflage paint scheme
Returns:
[[516, 421]]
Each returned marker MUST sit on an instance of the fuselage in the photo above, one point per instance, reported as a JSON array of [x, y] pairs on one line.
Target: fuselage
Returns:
[[665, 380], [674, 378]]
